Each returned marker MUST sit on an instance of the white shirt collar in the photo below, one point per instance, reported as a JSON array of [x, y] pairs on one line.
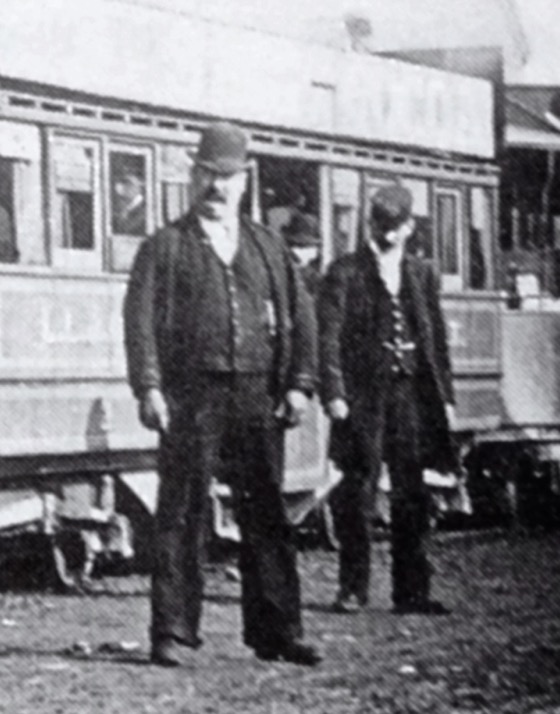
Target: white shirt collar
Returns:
[[224, 239], [389, 263]]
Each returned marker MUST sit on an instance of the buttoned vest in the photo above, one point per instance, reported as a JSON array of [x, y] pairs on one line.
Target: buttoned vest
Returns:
[[236, 321]]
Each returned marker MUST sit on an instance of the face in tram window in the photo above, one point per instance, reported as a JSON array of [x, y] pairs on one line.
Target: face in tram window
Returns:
[[128, 194]]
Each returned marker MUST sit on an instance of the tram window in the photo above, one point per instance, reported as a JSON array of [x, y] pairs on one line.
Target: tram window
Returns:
[[344, 229], [8, 250], [175, 172], [128, 193], [480, 239], [77, 220], [346, 193], [447, 234], [76, 203], [175, 200], [74, 184], [22, 237], [449, 231], [421, 242]]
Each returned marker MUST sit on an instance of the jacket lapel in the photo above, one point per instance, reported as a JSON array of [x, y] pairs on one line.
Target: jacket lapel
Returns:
[[412, 273]]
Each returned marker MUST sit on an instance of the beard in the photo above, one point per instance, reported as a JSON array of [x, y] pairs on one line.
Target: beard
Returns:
[[385, 244]]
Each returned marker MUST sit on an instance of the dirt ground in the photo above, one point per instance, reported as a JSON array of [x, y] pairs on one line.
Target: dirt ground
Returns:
[[498, 652]]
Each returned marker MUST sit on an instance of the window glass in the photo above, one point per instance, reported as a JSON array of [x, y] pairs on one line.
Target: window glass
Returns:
[[448, 233], [175, 174], [75, 196], [346, 186], [77, 220], [480, 239], [22, 237], [344, 229], [174, 200], [128, 193], [8, 250], [421, 242]]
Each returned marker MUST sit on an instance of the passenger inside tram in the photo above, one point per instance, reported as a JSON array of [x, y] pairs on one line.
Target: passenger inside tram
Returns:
[[303, 237], [128, 194], [8, 250]]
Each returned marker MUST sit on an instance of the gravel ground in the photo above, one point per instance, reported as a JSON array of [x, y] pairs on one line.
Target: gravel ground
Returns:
[[498, 652]]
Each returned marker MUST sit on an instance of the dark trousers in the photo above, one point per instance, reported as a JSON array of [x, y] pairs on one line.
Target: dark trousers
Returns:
[[225, 419], [389, 433]]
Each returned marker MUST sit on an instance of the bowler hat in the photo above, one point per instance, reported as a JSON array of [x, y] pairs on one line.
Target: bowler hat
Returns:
[[391, 206], [302, 231], [223, 149]]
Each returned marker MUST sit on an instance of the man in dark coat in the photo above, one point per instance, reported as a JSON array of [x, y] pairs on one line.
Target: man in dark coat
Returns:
[[221, 347], [386, 385], [303, 237]]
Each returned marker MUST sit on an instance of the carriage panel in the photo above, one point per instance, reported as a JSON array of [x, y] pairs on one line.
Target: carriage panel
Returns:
[[531, 354], [473, 331]]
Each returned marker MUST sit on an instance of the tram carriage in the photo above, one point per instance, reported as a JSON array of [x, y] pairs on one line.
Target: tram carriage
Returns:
[[88, 99]]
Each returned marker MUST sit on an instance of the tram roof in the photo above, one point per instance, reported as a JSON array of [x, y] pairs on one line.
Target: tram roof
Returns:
[[148, 55]]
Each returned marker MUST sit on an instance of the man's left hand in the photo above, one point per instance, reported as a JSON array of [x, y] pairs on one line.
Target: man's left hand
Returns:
[[292, 410]]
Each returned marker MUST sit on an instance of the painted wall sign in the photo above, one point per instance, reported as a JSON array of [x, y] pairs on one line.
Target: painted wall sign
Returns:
[[241, 74]]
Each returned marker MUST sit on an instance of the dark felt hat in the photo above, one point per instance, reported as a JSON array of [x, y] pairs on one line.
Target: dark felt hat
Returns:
[[302, 231], [125, 166], [223, 149], [391, 206]]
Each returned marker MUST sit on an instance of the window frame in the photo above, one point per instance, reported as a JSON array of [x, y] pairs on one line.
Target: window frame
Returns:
[[75, 258], [451, 282], [488, 247], [121, 248], [347, 190], [166, 177], [11, 210]]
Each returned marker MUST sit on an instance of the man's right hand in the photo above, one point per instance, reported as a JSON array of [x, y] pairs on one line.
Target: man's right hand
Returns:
[[154, 412], [337, 409]]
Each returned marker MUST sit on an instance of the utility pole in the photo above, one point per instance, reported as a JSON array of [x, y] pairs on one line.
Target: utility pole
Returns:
[[518, 38]]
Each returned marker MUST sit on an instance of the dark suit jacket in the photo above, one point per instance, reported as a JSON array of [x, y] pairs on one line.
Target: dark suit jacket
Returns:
[[351, 353], [161, 311]]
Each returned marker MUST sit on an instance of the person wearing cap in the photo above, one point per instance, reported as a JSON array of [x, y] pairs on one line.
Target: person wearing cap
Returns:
[[386, 386], [304, 240], [221, 344], [129, 200]]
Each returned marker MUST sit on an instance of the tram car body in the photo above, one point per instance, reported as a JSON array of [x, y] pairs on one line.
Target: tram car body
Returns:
[[93, 109]]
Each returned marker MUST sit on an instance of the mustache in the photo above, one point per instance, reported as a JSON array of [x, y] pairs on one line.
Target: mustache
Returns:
[[213, 195]]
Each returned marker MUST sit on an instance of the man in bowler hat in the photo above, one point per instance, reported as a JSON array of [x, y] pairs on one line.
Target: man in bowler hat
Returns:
[[386, 385], [303, 237], [221, 347]]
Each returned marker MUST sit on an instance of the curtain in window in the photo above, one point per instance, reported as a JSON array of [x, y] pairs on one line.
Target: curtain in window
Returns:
[[8, 251], [175, 200], [74, 168], [175, 174], [76, 220], [480, 239], [447, 234]]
